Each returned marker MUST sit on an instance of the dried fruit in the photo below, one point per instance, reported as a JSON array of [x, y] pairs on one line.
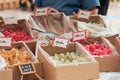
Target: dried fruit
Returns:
[[15, 56]]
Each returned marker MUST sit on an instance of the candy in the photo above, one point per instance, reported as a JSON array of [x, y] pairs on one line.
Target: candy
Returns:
[[98, 49], [67, 58], [17, 35]]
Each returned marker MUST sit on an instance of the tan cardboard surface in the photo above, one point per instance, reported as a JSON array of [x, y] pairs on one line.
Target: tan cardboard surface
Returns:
[[6, 75], [17, 74], [106, 63], [83, 71], [32, 46], [117, 44], [15, 69], [109, 63]]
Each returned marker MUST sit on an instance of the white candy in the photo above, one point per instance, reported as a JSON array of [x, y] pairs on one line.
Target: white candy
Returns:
[[68, 58]]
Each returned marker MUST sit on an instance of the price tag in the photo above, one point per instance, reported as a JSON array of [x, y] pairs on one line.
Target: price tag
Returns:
[[79, 35], [40, 11], [11, 20], [27, 68], [60, 42], [5, 42], [84, 14]]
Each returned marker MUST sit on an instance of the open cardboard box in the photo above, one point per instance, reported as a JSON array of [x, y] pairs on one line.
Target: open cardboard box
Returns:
[[55, 23], [68, 72], [106, 63], [6, 74], [22, 25], [15, 68]]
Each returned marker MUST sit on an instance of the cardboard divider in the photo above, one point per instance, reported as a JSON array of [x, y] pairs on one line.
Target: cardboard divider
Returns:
[[117, 44], [32, 46], [71, 72]]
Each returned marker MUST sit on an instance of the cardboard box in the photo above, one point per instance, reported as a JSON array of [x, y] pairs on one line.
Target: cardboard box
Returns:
[[106, 63], [68, 72], [15, 68], [22, 25], [17, 75], [109, 63], [6, 74], [53, 24]]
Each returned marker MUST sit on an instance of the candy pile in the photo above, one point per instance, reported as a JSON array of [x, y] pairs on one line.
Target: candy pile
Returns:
[[98, 49], [17, 35], [68, 58], [15, 56]]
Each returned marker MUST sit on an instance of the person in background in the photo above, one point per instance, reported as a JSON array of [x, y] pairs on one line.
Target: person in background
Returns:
[[68, 6], [26, 4], [104, 7]]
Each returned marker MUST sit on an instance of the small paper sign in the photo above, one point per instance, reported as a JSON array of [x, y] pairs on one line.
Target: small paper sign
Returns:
[[40, 11], [11, 20], [84, 14], [60, 42], [5, 42], [27, 68], [76, 36]]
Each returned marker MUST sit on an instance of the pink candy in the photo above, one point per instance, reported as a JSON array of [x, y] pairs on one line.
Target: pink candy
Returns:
[[98, 49], [17, 35]]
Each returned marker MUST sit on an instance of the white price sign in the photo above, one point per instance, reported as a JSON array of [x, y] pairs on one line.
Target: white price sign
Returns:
[[79, 35], [40, 11], [60, 42], [5, 42], [84, 14], [11, 20]]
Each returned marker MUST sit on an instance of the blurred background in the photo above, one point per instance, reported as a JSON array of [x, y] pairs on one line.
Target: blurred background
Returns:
[[25, 8]]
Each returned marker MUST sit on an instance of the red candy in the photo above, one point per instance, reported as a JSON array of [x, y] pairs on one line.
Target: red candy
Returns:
[[17, 35], [98, 49]]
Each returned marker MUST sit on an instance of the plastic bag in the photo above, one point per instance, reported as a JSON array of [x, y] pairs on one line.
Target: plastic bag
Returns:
[[57, 23], [98, 27]]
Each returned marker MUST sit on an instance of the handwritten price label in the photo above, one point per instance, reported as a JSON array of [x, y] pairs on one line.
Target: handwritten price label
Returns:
[[5, 42], [40, 11], [60, 42], [84, 14], [11, 20], [79, 35]]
